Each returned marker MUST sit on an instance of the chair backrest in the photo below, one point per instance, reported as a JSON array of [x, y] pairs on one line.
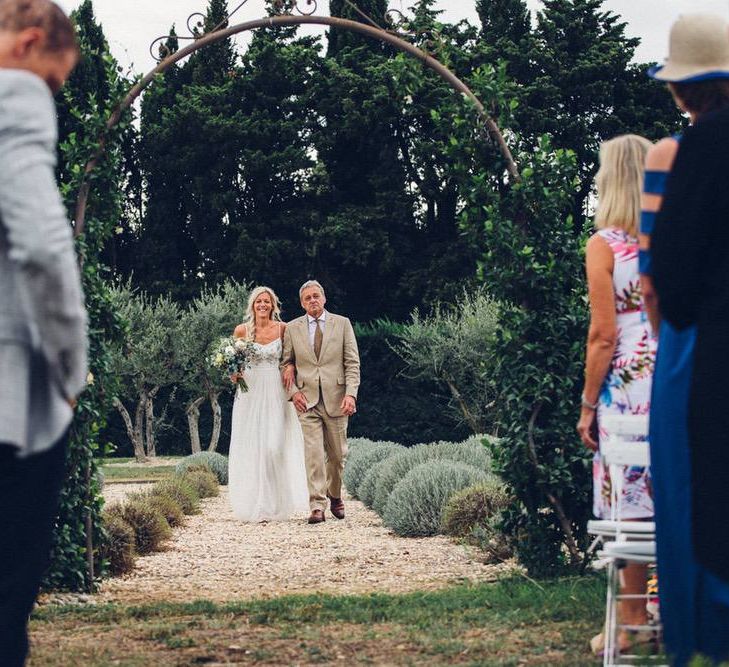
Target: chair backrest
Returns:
[[627, 441], [625, 425], [626, 445], [617, 451]]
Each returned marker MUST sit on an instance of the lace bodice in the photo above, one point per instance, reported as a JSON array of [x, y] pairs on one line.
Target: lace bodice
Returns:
[[269, 355]]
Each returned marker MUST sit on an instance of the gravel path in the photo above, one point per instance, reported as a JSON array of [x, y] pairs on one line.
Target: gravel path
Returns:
[[219, 558]]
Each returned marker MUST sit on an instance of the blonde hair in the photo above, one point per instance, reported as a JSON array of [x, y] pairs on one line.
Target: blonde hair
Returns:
[[620, 181], [250, 320]]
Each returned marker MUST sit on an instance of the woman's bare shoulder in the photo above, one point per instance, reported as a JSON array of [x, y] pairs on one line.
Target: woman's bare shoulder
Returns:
[[598, 251], [241, 331], [660, 156], [596, 241]]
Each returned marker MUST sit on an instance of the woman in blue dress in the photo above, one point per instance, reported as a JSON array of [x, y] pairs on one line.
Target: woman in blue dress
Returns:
[[697, 80]]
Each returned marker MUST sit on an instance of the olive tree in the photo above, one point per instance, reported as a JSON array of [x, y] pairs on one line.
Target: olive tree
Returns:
[[146, 361], [454, 346], [210, 316]]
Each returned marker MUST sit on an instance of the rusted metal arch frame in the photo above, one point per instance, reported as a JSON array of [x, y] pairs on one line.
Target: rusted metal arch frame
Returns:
[[290, 20]]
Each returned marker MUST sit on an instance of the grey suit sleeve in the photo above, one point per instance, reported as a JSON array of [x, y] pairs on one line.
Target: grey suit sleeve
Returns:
[[351, 360], [38, 234]]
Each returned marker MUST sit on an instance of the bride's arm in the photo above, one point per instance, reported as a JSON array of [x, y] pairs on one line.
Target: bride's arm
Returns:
[[239, 332], [288, 363]]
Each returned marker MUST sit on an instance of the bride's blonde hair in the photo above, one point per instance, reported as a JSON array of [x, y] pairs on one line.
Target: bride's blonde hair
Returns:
[[250, 320]]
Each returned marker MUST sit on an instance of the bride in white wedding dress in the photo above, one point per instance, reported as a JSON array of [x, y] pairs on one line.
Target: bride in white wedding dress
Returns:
[[267, 474]]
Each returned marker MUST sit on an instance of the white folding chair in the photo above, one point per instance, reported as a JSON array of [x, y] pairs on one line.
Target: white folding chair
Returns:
[[619, 450], [630, 541]]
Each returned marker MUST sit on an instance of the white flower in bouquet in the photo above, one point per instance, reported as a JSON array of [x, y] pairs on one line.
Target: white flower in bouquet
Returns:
[[232, 356]]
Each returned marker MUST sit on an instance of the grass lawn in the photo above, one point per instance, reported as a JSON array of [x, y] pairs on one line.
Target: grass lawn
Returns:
[[512, 622], [117, 473], [121, 469]]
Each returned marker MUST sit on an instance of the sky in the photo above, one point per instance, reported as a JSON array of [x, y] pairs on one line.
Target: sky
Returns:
[[131, 25]]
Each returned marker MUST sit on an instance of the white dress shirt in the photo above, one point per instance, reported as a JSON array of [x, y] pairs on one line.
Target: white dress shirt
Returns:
[[312, 326]]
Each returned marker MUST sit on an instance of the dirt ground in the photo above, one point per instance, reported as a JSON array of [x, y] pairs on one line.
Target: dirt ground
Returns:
[[217, 557]]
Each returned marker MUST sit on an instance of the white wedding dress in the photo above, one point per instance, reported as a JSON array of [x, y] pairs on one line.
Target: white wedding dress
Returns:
[[267, 474]]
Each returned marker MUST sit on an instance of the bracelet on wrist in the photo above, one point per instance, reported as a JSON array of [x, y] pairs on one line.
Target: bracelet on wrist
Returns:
[[587, 404]]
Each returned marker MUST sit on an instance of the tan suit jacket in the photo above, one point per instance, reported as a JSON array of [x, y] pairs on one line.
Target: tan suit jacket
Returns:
[[335, 374]]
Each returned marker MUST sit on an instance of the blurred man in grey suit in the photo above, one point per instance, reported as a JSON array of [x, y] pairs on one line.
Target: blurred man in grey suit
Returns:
[[42, 316]]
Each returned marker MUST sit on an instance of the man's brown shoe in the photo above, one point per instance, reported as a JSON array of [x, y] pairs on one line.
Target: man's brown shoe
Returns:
[[337, 507], [317, 516]]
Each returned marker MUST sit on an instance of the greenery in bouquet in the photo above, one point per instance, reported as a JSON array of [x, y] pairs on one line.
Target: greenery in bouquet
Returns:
[[232, 356]]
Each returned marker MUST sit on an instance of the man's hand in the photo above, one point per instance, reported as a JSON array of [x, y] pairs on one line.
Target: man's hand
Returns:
[[288, 375], [300, 403], [349, 406]]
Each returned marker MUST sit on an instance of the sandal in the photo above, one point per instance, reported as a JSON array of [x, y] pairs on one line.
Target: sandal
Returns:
[[597, 644], [628, 640]]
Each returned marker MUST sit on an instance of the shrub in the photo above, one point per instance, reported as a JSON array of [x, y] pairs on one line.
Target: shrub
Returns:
[[416, 504], [355, 443], [368, 486], [215, 462], [118, 548], [149, 526], [538, 352], [471, 452], [491, 540], [363, 460], [180, 491], [474, 506], [168, 507], [203, 480]]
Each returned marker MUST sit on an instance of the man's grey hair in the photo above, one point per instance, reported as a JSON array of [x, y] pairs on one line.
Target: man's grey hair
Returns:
[[311, 283]]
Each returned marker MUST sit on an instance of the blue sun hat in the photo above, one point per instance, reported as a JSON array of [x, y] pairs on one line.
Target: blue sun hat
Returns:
[[698, 50]]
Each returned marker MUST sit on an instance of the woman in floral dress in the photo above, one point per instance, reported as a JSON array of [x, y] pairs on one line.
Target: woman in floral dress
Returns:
[[621, 347]]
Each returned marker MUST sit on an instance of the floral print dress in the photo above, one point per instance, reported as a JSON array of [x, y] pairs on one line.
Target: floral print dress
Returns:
[[627, 387]]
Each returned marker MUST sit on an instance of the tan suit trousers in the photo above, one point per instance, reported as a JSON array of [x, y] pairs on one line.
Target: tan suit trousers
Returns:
[[325, 439]]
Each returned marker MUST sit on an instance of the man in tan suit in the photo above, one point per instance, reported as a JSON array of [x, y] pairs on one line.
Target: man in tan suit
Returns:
[[321, 373]]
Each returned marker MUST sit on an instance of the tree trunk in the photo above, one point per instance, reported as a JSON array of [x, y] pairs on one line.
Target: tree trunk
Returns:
[[139, 452], [149, 423], [217, 421], [193, 421], [134, 436], [472, 422]]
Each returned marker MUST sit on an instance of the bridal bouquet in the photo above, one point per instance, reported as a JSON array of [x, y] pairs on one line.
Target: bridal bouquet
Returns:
[[234, 355]]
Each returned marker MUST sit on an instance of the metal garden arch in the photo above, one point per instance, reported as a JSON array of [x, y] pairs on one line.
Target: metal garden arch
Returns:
[[300, 12]]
